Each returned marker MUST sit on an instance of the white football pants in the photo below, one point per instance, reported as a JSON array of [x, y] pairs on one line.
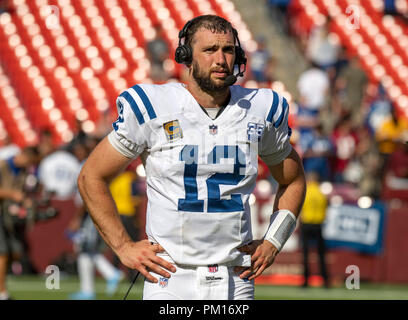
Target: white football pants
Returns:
[[215, 282]]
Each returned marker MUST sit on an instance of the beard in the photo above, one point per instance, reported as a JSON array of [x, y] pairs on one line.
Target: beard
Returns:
[[204, 80]]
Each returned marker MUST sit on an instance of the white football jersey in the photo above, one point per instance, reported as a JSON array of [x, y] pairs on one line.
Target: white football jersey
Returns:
[[200, 172]]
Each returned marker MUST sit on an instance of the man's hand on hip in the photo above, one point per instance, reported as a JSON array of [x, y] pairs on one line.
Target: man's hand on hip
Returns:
[[262, 253], [142, 256]]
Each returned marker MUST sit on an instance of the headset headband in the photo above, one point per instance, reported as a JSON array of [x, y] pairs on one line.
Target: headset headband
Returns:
[[184, 53]]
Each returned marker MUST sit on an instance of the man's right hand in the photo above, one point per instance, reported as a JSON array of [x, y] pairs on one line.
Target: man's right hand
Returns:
[[142, 256]]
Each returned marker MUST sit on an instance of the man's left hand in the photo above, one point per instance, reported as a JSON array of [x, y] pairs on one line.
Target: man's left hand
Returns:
[[262, 253]]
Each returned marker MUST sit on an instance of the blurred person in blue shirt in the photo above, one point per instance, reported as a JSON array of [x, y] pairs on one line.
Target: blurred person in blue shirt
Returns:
[[379, 111], [317, 150], [259, 61]]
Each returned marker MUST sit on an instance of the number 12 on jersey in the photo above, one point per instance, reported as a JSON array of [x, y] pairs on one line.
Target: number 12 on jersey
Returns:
[[191, 203]]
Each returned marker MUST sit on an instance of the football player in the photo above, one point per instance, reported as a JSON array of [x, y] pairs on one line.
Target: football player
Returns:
[[199, 143]]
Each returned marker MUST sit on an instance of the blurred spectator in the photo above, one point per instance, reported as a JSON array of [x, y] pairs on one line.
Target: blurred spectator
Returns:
[[345, 143], [322, 49], [8, 149], [58, 173], [342, 61], [127, 196], [312, 218], [46, 144], [158, 51], [105, 121], [306, 119], [280, 4], [313, 86], [389, 7], [368, 163], [338, 101], [333, 111], [391, 132], [396, 174], [271, 69], [5, 6], [91, 142], [260, 60], [80, 136], [379, 110], [279, 12], [80, 151], [13, 173], [316, 152], [89, 245], [353, 80]]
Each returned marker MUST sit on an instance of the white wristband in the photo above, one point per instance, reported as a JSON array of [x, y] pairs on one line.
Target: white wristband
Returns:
[[281, 226]]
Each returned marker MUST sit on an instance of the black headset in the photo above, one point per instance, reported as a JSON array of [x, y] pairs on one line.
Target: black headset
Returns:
[[184, 53]]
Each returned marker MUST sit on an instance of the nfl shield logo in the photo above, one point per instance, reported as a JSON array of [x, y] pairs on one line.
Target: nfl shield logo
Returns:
[[213, 129], [213, 268], [163, 282]]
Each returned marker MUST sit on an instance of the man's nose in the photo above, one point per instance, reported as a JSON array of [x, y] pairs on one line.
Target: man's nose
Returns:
[[220, 57]]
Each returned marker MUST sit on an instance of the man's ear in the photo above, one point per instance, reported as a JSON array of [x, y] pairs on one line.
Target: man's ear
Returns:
[[190, 68]]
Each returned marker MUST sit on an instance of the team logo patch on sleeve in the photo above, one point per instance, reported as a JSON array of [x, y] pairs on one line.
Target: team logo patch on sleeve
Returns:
[[173, 130], [255, 131]]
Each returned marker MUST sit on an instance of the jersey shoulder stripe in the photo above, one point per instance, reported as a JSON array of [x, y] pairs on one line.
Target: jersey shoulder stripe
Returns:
[[139, 103], [282, 113], [133, 105], [274, 106], [145, 101], [277, 110]]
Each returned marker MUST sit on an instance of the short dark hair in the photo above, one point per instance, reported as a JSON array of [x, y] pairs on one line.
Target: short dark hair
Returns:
[[31, 151], [210, 22]]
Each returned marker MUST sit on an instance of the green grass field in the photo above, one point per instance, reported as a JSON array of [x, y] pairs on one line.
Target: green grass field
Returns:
[[33, 288]]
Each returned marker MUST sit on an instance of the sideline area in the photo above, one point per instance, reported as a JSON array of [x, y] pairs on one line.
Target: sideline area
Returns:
[[33, 288]]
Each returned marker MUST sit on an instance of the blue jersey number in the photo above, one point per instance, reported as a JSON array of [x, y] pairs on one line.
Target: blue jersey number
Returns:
[[191, 203]]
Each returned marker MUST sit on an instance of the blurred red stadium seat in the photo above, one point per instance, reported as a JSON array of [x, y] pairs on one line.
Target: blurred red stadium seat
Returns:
[[377, 42]]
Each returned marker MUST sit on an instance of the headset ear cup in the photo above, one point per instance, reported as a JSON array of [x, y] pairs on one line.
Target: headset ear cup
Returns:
[[240, 56], [183, 54], [177, 55]]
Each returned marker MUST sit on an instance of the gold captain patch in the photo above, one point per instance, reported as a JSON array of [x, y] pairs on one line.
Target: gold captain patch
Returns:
[[173, 130]]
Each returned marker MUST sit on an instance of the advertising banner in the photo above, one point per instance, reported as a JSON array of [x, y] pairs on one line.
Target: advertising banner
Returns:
[[348, 226]]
